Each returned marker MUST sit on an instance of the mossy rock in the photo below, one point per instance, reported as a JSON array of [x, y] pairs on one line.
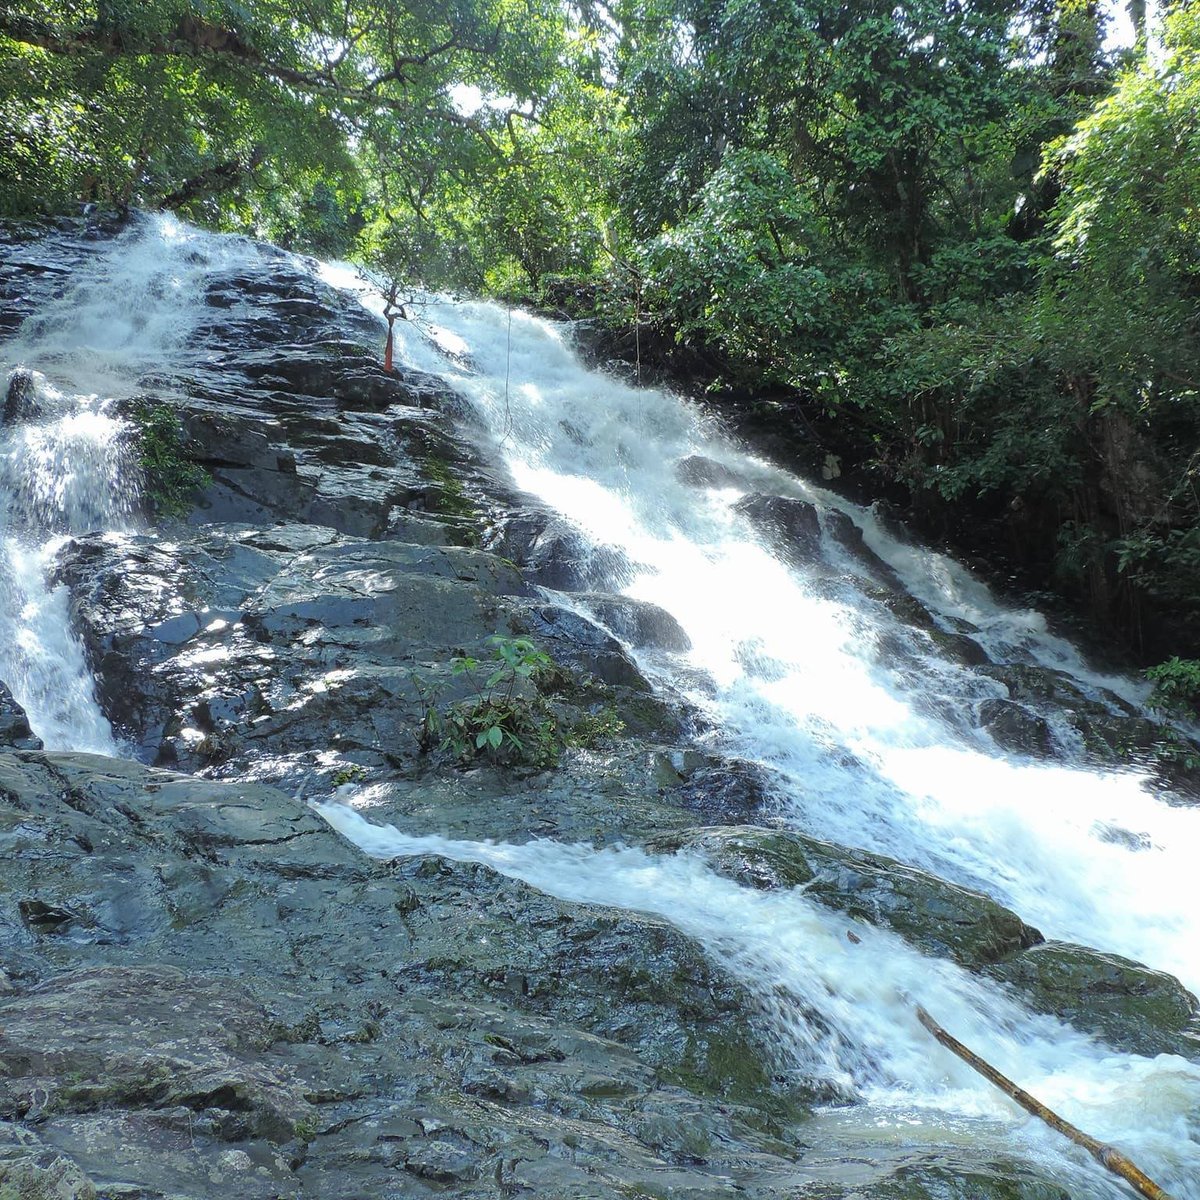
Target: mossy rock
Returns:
[[935, 916], [1122, 1002]]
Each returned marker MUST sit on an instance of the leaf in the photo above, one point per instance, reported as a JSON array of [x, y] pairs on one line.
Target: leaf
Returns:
[[495, 736]]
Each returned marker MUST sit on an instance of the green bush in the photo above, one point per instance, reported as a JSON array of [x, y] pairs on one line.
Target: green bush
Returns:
[[1176, 686], [505, 720], [170, 478]]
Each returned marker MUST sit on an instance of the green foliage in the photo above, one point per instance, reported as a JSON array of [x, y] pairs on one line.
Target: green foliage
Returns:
[[505, 719], [350, 773], [595, 729], [170, 478], [956, 245], [1176, 686]]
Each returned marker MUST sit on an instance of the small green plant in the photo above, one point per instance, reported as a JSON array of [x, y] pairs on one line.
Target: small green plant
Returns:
[[594, 729], [351, 773], [169, 476], [1176, 686], [506, 720]]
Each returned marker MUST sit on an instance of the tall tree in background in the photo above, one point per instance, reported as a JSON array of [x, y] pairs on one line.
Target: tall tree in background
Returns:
[[175, 101]]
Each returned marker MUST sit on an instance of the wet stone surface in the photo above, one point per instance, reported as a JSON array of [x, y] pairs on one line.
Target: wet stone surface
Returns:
[[205, 992]]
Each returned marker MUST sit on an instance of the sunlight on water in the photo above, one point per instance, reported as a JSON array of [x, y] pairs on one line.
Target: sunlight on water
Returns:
[[66, 463], [867, 728], [794, 956]]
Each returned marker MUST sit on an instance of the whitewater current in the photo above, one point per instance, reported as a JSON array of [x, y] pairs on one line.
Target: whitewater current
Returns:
[[864, 724], [793, 665]]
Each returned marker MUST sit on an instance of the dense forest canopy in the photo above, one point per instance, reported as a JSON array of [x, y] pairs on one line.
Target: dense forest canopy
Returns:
[[953, 245]]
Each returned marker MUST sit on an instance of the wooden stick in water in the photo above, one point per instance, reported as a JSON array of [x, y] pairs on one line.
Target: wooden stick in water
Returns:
[[1107, 1156]]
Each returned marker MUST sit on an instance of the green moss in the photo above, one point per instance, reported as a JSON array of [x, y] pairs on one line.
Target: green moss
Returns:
[[170, 477], [452, 499]]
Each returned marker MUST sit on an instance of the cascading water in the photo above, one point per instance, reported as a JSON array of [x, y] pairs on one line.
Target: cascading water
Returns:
[[65, 462], [799, 666], [862, 723], [61, 471]]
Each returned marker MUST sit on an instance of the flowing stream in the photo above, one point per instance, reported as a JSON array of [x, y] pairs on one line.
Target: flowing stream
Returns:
[[122, 323], [864, 724]]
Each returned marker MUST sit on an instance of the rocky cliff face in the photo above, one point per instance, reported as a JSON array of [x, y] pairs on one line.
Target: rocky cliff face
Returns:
[[204, 991]]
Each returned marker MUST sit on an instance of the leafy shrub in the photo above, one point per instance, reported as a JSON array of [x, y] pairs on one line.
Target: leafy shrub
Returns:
[[169, 476], [506, 720], [1176, 686], [593, 729]]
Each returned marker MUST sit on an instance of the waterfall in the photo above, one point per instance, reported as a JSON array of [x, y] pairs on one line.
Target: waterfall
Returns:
[[795, 957], [863, 722], [116, 331], [866, 728]]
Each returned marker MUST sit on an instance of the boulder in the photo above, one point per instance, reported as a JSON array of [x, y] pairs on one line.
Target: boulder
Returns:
[[1013, 727], [222, 646], [15, 733], [21, 402], [937, 917], [700, 472], [556, 556], [789, 525], [1122, 1002], [642, 624]]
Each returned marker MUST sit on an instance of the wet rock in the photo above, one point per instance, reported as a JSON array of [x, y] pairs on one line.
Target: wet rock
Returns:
[[1015, 728], [758, 858], [256, 1006], [721, 790], [791, 526], [905, 607], [31, 1170], [959, 647], [224, 439], [630, 978], [295, 639], [700, 472], [556, 556], [1110, 730], [937, 917], [1120, 1001], [640, 623], [1031, 684], [15, 732], [582, 644], [104, 1038], [21, 403]]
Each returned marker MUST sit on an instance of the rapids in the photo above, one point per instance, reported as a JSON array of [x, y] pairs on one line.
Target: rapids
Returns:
[[864, 724]]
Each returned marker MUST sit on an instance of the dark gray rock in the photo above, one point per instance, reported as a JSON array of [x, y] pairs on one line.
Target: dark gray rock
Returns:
[[582, 644], [21, 402], [936, 916], [226, 646], [1120, 1001], [15, 732], [700, 472], [1014, 727], [789, 525], [638, 622], [556, 556], [242, 999]]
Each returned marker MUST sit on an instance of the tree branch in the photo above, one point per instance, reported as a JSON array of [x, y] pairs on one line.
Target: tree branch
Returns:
[[193, 38]]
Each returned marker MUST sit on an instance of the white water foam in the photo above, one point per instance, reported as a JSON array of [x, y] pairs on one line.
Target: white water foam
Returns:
[[66, 466], [870, 747], [795, 957], [801, 677]]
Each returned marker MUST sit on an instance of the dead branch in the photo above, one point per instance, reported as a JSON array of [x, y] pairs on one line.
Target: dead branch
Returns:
[[1106, 1156]]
